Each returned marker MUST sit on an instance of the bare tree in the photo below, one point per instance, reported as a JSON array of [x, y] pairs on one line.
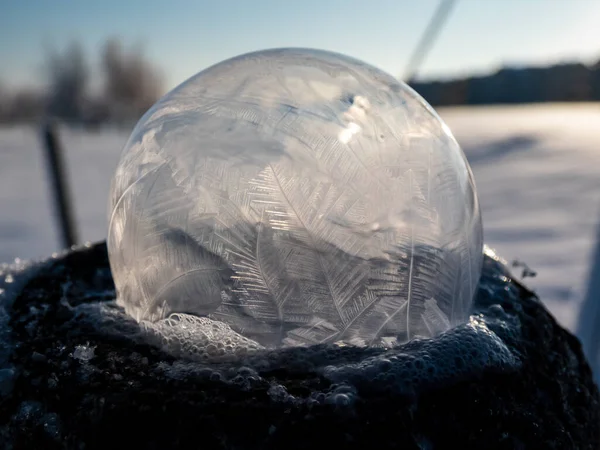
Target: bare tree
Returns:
[[132, 83], [68, 81], [25, 106]]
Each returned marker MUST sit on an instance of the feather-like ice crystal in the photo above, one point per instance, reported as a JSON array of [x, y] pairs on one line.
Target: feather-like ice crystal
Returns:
[[300, 197]]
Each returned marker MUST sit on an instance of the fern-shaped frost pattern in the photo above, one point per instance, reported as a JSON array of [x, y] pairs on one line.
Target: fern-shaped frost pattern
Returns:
[[301, 197]]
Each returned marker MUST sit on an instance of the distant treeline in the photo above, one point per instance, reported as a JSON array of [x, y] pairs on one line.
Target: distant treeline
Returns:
[[126, 85], [573, 82]]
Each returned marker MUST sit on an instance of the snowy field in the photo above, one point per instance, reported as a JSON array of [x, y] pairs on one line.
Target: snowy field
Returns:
[[537, 170]]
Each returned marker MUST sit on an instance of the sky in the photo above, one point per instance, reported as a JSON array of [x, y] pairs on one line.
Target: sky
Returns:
[[184, 37]]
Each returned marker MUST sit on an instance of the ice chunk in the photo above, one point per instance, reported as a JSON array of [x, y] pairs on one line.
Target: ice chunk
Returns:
[[84, 353], [300, 197]]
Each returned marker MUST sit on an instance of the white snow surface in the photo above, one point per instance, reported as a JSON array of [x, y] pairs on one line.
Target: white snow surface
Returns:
[[537, 169]]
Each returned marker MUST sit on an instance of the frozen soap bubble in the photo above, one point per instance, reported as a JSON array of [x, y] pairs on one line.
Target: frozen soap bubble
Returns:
[[301, 197]]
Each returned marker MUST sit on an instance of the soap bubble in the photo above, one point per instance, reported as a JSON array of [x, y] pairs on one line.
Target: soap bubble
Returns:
[[301, 197]]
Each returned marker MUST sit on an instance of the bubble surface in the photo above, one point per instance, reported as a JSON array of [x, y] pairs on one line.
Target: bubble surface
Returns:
[[299, 197]]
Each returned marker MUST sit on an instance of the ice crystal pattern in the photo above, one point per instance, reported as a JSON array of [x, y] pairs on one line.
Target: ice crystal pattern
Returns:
[[301, 197]]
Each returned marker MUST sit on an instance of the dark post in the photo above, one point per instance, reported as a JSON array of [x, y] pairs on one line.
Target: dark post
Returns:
[[60, 191]]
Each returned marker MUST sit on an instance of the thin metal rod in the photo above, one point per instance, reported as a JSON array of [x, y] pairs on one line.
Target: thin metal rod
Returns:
[[60, 189], [428, 38]]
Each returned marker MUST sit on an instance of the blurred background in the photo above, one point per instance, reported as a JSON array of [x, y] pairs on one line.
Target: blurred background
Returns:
[[517, 82]]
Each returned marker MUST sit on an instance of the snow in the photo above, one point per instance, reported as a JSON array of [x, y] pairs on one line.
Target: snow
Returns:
[[84, 353], [536, 169]]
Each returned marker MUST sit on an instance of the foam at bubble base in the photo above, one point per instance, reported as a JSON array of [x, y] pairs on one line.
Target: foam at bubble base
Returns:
[[481, 344]]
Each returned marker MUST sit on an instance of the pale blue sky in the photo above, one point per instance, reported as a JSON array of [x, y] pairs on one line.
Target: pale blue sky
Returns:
[[183, 37]]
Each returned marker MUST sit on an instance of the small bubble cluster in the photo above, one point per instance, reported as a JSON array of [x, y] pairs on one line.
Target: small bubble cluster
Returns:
[[454, 355], [197, 338], [337, 395]]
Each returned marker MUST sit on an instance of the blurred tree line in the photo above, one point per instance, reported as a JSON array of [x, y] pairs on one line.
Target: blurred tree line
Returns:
[[128, 85], [570, 82]]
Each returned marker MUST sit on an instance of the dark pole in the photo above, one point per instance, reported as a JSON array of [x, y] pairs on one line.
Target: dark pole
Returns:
[[427, 39], [60, 191]]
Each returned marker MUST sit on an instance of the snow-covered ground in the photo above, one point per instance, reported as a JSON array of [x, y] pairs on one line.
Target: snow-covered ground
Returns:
[[537, 170]]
